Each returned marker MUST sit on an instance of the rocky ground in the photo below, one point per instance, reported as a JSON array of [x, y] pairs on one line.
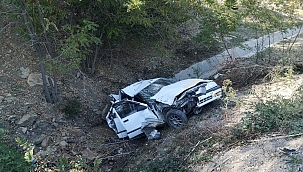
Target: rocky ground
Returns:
[[25, 113]]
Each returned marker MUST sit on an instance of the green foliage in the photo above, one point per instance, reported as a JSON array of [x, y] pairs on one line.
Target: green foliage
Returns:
[[93, 22], [217, 22], [294, 161], [229, 92], [12, 160], [264, 20], [207, 154], [122, 17], [279, 114], [50, 13], [27, 147], [75, 48], [63, 164], [279, 72], [167, 164], [230, 3], [205, 157], [94, 167], [78, 165], [71, 107]]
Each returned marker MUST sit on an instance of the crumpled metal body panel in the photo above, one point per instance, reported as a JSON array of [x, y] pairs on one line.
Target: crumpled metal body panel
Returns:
[[128, 122], [169, 93], [149, 100], [135, 88]]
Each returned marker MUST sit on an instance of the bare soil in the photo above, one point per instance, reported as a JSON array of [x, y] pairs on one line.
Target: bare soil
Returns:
[[88, 137], [262, 153], [86, 134]]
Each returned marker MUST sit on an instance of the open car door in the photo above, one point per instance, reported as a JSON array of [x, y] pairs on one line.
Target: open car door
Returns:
[[128, 117]]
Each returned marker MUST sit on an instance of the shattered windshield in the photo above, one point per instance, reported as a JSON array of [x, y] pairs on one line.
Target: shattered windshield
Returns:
[[154, 88]]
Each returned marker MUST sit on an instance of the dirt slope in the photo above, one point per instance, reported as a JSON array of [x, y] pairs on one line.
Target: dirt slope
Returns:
[[87, 136], [265, 153]]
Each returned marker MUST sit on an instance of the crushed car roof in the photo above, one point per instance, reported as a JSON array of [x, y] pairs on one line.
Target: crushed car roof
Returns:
[[135, 88], [168, 93]]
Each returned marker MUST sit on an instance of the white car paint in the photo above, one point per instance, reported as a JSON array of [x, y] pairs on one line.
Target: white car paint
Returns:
[[130, 125], [135, 88], [130, 122], [168, 93]]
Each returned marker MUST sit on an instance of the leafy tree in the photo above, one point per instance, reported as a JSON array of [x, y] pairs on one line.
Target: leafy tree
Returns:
[[75, 47], [217, 20], [69, 34], [73, 33], [34, 38], [264, 20]]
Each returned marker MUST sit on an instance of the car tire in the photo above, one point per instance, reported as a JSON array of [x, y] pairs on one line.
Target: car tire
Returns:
[[176, 118]]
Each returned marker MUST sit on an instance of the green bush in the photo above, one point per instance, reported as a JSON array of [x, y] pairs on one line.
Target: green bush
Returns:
[[71, 107], [167, 164], [77, 165], [12, 160], [279, 114]]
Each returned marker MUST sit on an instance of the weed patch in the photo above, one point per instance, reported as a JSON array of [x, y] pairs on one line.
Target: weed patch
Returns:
[[70, 107], [294, 162], [12, 160], [170, 163], [77, 165], [280, 114], [229, 92]]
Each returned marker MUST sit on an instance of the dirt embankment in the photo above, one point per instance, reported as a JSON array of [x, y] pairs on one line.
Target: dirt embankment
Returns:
[[26, 114], [87, 136]]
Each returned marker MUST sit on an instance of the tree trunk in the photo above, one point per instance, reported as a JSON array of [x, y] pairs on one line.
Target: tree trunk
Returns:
[[94, 60], [50, 52], [36, 44]]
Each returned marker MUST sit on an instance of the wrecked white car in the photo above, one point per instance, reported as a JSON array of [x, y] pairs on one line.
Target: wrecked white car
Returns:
[[144, 105]]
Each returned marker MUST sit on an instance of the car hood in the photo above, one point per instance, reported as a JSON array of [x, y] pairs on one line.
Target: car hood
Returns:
[[135, 88], [168, 93]]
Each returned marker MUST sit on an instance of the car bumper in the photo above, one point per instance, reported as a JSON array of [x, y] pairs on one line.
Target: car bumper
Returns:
[[203, 100]]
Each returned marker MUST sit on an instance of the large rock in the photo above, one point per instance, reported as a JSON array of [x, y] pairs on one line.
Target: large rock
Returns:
[[42, 154], [27, 120], [63, 144], [45, 142], [36, 79], [40, 139], [1, 98], [23, 129], [24, 72]]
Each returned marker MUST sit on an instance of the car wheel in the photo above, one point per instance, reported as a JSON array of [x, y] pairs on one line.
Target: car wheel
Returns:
[[176, 118]]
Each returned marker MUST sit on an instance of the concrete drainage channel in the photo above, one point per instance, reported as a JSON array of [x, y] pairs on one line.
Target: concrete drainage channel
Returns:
[[211, 66]]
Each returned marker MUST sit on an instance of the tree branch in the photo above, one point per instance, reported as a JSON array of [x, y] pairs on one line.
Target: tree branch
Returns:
[[5, 27]]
